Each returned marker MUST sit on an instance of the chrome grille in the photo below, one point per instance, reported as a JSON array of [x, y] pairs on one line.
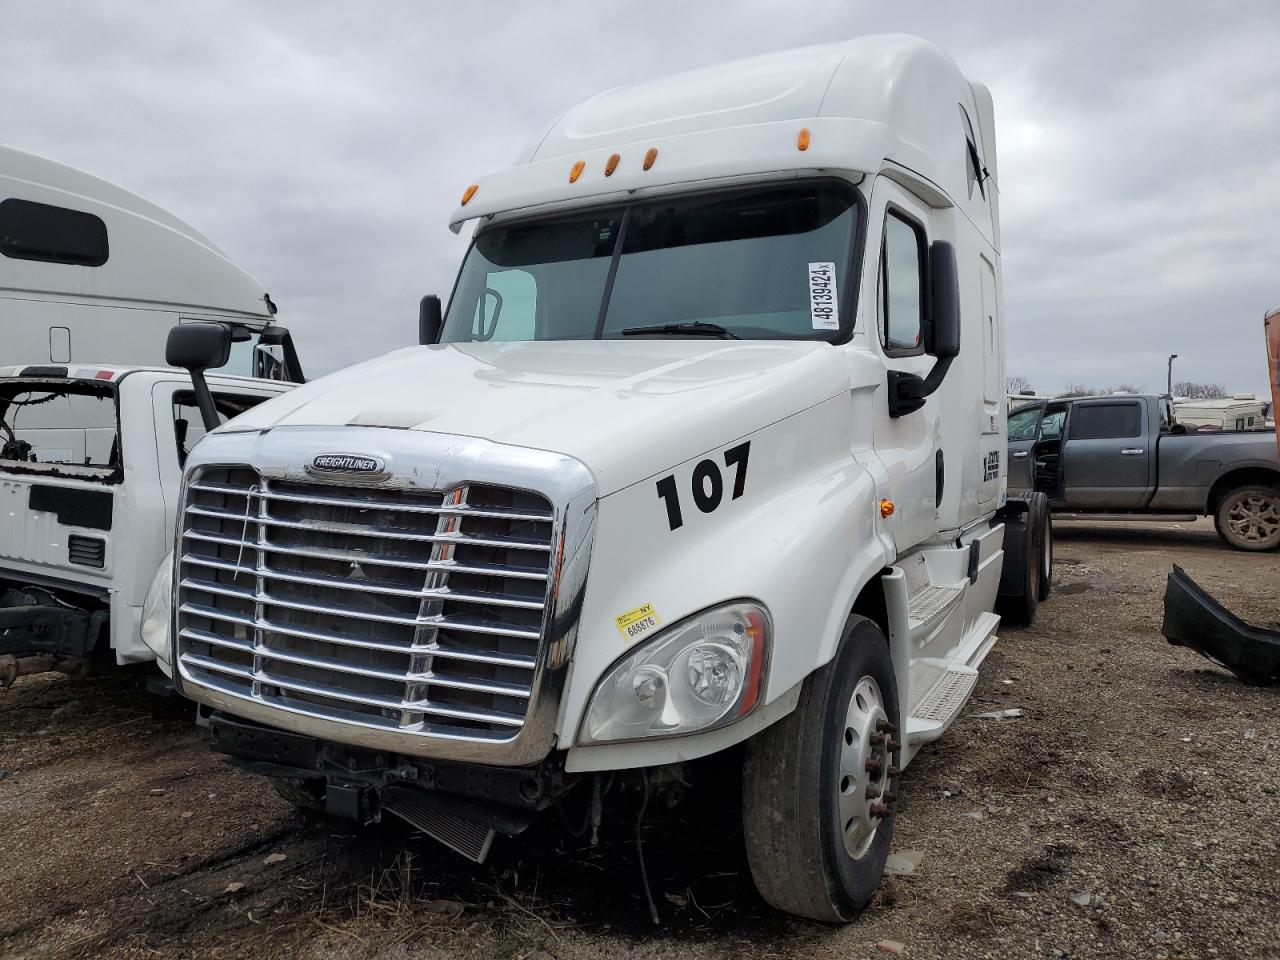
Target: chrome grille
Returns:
[[414, 611]]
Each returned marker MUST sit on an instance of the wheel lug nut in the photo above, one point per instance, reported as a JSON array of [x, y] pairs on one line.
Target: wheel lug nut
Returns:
[[886, 726], [872, 793], [873, 764], [894, 746], [894, 771], [890, 797], [879, 810], [877, 739]]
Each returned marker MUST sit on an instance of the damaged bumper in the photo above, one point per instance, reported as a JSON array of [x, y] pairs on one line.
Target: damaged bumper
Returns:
[[1192, 618]]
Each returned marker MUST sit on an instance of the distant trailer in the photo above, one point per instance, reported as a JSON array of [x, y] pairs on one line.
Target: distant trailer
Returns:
[[1244, 411], [90, 272]]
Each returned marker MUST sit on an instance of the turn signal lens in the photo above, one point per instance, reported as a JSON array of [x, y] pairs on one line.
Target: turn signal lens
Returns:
[[470, 192], [802, 141], [576, 172], [886, 508], [650, 156], [611, 165]]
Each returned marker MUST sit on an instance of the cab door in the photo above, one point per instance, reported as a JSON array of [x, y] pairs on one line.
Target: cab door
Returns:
[[908, 446], [1106, 458]]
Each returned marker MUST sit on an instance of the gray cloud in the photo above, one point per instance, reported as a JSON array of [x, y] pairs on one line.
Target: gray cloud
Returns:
[[322, 145]]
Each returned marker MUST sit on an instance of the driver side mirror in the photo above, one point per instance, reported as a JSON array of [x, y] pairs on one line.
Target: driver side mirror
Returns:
[[429, 321], [197, 347], [942, 335], [907, 392]]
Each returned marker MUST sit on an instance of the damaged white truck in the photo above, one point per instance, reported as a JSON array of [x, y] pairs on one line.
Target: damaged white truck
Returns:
[[706, 455], [92, 439]]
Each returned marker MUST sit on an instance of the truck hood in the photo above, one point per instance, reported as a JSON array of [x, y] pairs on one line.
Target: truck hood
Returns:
[[626, 409]]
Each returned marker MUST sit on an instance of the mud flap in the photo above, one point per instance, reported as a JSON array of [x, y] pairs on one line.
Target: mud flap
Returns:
[[1192, 618]]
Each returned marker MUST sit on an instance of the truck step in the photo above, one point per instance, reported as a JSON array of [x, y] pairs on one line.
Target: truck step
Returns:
[[463, 836], [929, 601]]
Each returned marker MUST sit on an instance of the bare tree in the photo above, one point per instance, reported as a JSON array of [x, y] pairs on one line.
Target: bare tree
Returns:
[[1198, 391], [1077, 390], [1016, 385]]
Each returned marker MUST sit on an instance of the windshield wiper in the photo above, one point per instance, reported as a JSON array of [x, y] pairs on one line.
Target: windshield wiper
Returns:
[[696, 329]]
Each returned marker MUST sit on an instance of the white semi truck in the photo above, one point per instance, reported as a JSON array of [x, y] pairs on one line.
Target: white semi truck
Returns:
[[706, 456], [91, 274]]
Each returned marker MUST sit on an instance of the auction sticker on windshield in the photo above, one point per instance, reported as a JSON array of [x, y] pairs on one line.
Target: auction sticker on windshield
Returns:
[[634, 624], [824, 309]]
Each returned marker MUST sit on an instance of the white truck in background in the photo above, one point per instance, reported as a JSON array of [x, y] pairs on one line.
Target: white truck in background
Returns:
[[706, 455], [93, 274], [91, 451]]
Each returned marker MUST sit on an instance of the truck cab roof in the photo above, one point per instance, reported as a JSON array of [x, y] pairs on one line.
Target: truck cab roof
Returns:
[[888, 103]]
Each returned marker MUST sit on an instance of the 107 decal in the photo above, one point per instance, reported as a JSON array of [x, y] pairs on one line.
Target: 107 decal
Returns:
[[708, 484]]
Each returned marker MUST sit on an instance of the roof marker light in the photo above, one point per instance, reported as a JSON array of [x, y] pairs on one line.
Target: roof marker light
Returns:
[[611, 165], [469, 193], [650, 156], [576, 172], [802, 141]]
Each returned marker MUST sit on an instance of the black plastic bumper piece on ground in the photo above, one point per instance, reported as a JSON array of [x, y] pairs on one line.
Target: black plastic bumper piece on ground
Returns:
[[1194, 619]]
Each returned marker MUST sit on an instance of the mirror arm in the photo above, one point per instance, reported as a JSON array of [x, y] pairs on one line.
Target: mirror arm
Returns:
[[907, 392], [204, 399]]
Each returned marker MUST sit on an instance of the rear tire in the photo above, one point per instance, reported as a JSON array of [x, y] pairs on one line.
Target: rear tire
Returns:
[[1046, 550], [819, 793], [1248, 518], [1024, 545]]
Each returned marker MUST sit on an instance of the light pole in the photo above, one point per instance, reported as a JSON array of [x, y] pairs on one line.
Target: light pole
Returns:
[[1172, 357]]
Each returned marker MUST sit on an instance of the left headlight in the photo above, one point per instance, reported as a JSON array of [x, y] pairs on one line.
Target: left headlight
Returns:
[[702, 673], [155, 614]]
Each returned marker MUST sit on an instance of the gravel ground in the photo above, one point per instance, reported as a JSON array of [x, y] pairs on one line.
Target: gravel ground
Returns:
[[1132, 810]]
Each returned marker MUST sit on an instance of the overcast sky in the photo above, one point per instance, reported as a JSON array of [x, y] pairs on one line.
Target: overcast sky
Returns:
[[323, 145]]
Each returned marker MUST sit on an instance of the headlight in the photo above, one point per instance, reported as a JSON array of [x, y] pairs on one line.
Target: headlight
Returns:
[[702, 673], [156, 611]]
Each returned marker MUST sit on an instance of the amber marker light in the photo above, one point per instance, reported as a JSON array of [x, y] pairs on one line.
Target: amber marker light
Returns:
[[650, 156], [470, 192], [611, 165], [886, 508], [802, 141], [751, 691], [576, 172]]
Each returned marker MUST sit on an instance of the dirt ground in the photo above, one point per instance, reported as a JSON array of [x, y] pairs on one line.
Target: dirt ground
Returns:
[[1132, 810]]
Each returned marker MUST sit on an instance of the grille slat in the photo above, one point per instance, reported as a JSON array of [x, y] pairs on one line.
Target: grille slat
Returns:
[[429, 677], [365, 586], [415, 611], [357, 530], [370, 504], [428, 650], [336, 693], [363, 557]]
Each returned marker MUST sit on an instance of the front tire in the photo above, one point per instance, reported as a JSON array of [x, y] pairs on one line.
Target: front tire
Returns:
[[820, 786], [1248, 518]]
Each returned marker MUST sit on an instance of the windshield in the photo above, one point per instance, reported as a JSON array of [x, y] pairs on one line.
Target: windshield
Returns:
[[768, 263]]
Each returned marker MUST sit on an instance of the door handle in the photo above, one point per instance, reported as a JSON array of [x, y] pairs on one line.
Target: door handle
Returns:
[[1020, 455], [1132, 452]]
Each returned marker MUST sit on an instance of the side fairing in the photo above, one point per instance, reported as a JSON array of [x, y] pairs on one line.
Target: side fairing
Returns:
[[800, 537]]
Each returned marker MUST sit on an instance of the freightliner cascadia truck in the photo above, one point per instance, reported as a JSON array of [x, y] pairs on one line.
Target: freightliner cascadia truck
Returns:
[[706, 455]]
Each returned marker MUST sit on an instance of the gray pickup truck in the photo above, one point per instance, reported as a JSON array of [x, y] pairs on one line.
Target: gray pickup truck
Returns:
[[1126, 454]]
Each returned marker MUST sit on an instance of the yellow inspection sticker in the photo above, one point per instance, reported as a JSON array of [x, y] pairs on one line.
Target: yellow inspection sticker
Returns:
[[634, 624]]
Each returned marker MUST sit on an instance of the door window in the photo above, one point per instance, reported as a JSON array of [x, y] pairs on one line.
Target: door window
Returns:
[[900, 304], [1051, 425], [1023, 423], [1106, 421]]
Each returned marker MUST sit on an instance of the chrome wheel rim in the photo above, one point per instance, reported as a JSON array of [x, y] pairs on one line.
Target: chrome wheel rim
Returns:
[[865, 775], [1254, 518]]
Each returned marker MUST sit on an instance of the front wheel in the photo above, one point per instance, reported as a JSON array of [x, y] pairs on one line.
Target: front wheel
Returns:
[[820, 786], [1248, 518]]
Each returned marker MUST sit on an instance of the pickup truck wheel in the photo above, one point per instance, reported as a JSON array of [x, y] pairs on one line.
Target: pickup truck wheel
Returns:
[[1248, 518], [820, 786]]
